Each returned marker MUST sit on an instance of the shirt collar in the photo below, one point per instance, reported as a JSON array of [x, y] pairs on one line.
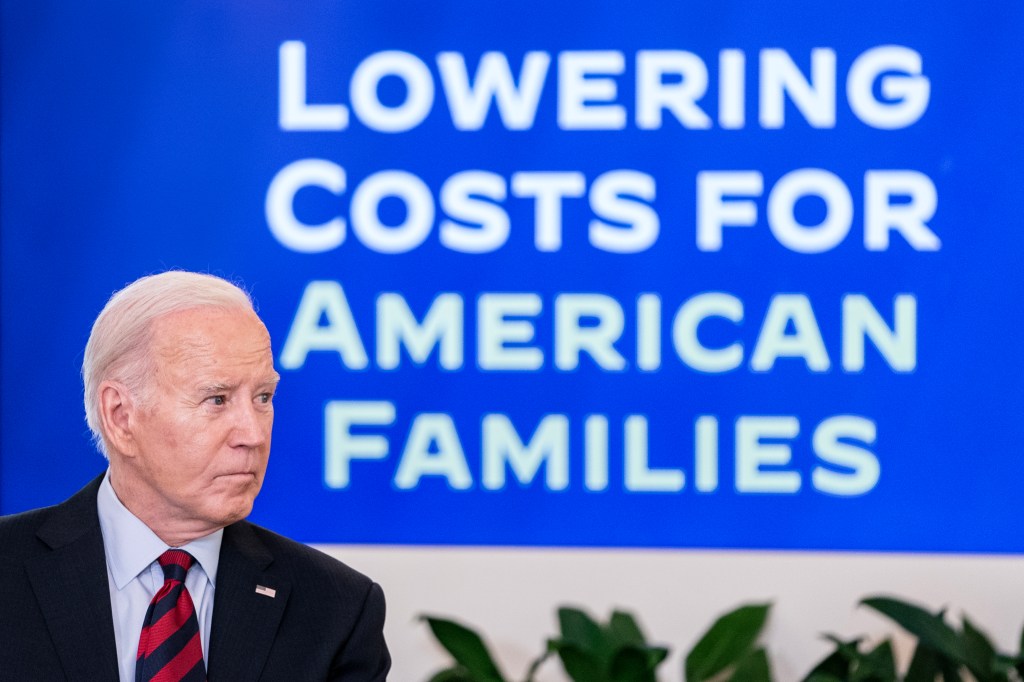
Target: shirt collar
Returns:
[[130, 545]]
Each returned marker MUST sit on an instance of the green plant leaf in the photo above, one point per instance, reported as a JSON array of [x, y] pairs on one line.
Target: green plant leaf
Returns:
[[928, 663], [630, 664], [580, 630], [532, 670], [656, 655], [624, 629], [851, 649], [950, 671], [467, 648], [839, 664], [1005, 667], [835, 666], [848, 664], [930, 629], [728, 640], [1005, 663], [580, 665], [924, 665], [753, 668], [456, 674], [878, 665], [1020, 656], [981, 655]]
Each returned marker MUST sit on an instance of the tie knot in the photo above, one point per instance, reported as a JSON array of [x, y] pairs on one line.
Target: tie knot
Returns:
[[176, 563]]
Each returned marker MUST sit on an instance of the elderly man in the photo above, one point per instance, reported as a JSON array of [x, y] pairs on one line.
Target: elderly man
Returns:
[[151, 572]]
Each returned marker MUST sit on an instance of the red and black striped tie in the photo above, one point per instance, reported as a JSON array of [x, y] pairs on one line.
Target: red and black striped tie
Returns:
[[169, 648]]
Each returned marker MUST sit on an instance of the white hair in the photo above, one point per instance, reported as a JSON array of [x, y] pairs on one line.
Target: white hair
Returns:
[[119, 343]]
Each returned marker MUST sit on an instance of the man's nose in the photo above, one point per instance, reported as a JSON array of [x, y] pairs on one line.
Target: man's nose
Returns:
[[251, 426]]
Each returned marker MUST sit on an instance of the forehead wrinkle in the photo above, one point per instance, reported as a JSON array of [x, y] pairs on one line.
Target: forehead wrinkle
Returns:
[[206, 369], [192, 356], [184, 348], [205, 354]]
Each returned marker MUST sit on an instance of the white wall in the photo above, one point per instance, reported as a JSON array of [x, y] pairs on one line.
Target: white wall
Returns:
[[511, 595]]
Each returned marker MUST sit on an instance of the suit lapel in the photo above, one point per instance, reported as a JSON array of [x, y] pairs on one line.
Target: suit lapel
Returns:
[[70, 584], [245, 620]]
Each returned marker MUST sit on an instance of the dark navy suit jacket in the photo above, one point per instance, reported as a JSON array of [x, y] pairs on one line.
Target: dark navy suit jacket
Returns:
[[325, 621]]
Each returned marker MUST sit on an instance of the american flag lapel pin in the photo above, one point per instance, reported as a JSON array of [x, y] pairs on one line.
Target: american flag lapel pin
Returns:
[[266, 591]]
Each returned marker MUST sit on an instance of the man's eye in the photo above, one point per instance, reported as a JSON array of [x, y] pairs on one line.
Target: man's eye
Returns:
[[217, 399], [264, 398]]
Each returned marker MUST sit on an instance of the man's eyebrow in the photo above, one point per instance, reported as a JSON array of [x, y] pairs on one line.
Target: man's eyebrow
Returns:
[[222, 387], [215, 388]]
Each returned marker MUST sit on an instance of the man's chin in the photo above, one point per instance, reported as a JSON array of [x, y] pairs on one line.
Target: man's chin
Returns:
[[232, 510]]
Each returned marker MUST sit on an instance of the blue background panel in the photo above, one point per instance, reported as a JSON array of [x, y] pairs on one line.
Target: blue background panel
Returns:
[[139, 137]]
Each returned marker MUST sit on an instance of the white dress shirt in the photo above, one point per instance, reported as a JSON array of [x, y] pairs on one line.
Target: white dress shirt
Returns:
[[134, 575]]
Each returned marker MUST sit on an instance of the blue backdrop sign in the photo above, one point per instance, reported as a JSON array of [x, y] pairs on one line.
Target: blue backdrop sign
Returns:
[[668, 275]]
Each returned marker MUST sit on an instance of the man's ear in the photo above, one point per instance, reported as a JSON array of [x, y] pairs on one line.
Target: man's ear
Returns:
[[117, 417]]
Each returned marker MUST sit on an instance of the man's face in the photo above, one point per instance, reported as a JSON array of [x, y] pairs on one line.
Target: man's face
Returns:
[[202, 430]]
